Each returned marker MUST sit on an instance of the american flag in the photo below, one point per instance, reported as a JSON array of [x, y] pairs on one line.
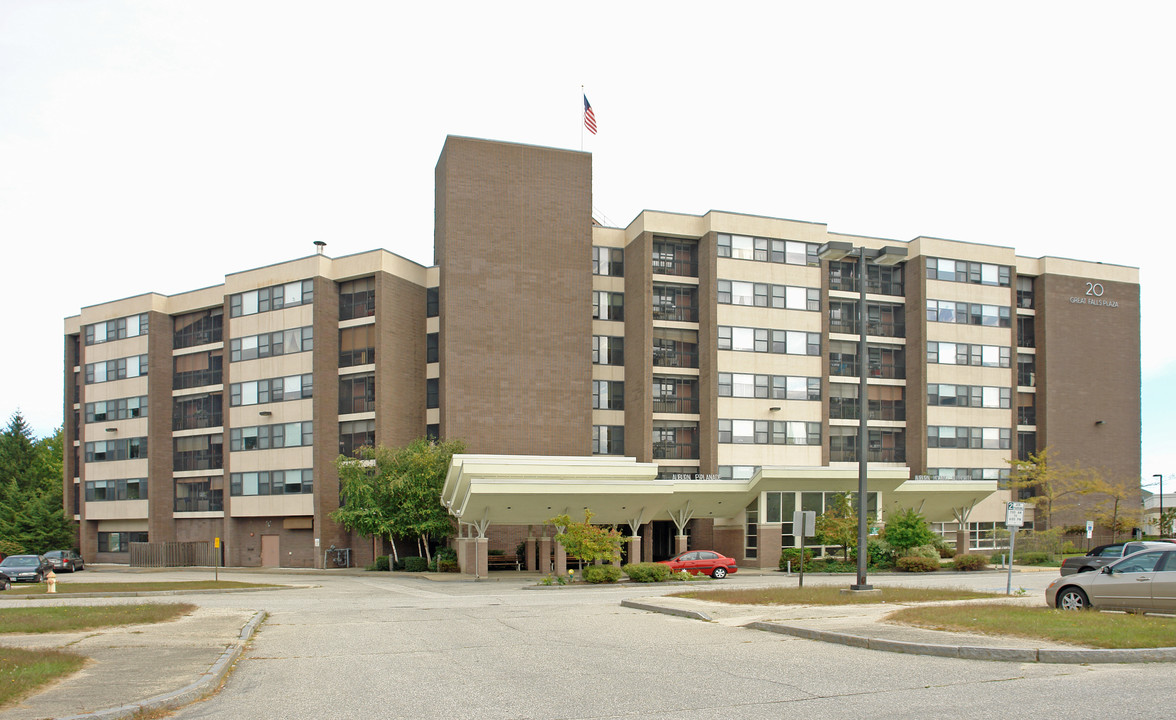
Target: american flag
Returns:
[[589, 118]]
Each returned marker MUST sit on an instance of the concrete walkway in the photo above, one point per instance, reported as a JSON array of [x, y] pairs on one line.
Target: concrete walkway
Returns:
[[136, 667], [864, 625]]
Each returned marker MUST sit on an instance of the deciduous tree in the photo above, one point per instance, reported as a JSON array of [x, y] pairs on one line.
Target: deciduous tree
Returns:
[[838, 525], [587, 542]]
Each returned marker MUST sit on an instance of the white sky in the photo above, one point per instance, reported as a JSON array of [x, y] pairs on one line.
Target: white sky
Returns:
[[151, 146]]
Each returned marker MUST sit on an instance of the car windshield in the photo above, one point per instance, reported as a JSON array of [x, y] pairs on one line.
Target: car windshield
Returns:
[[19, 561]]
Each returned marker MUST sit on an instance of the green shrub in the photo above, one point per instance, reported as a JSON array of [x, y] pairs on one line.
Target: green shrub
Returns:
[[415, 564], [907, 529], [922, 551], [917, 564], [1033, 558], [381, 563], [879, 554], [836, 565], [997, 558], [597, 574], [445, 553], [945, 551], [684, 576], [646, 572], [793, 554], [1069, 548], [496, 553], [398, 564], [553, 580], [969, 561]]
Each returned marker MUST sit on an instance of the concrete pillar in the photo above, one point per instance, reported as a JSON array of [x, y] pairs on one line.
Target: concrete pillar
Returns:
[[647, 545], [465, 559], [482, 555], [962, 540], [768, 546], [635, 549], [544, 559], [680, 542], [561, 560], [529, 553]]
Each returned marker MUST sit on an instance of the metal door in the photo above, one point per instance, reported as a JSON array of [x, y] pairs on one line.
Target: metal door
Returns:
[[270, 551]]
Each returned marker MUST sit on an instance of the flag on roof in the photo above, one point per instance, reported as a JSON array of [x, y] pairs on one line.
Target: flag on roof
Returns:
[[589, 117]]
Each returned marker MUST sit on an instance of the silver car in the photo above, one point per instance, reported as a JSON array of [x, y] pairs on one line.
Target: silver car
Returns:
[[1144, 581]]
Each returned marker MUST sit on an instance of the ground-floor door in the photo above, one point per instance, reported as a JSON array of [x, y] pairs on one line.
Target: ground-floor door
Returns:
[[271, 555]]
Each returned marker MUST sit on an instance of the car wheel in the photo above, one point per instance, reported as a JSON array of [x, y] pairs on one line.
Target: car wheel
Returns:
[[1073, 598], [1085, 569], [719, 573], [38, 578], [5, 584]]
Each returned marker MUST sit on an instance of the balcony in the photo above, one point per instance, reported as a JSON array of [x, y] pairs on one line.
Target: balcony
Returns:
[[895, 329], [681, 405], [676, 313], [211, 459], [675, 354], [668, 450], [1027, 415], [847, 409]]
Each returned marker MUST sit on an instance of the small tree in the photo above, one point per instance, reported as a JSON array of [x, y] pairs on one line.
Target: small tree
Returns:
[[587, 542], [907, 529], [1050, 482], [1112, 511], [1167, 519], [838, 525]]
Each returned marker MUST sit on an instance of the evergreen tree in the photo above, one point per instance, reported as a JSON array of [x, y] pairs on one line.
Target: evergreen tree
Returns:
[[32, 516]]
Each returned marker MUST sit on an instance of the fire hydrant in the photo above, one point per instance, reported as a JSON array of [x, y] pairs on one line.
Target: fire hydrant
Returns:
[[51, 580]]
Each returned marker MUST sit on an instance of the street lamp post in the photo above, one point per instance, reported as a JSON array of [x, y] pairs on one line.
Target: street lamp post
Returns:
[[1160, 521], [889, 255]]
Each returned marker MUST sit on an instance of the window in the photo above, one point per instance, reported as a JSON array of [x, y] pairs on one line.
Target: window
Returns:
[[432, 302], [976, 438], [745, 247], [608, 350], [432, 347], [198, 452], [743, 432], [795, 432], [265, 437], [280, 342], [964, 354], [196, 411], [784, 297], [110, 450], [120, 369], [197, 369], [198, 328], [121, 489], [968, 272], [357, 298], [608, 305], [968, 396], [271, 298], [355, 435], [259, 392], [433, 393], [608, 440], [119, 542], [357, 346], [608, 395], [357, 393], [947, 311], [119, 329], [120, 409], [273, 482], [608, 261], [200, 494], [1024, 292], [675, 257]]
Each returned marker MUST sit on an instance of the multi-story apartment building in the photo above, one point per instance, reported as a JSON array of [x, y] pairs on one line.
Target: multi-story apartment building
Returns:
[[720, 347]]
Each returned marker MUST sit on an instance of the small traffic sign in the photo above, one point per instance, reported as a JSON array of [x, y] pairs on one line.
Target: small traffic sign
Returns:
[[1015, 514]]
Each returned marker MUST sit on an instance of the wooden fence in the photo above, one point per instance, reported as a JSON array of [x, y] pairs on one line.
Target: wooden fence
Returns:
[[174, 554]]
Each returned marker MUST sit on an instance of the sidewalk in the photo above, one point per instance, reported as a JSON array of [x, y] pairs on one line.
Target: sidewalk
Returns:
[[138, 666]]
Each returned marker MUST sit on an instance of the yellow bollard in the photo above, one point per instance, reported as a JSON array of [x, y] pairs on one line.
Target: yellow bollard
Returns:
[[51, 580]]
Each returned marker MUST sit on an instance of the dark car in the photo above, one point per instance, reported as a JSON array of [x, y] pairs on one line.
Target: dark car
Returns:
[[703, 562], [25, 568], [1105, 555], [5, 583], [65, 560]]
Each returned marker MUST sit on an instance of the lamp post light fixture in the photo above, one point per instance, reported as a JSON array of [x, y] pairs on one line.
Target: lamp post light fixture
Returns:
[[889, 255]]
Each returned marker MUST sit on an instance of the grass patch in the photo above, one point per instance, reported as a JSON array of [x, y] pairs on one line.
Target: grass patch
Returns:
[[829, 595], [23, 671], [108, 587], [1090, 629], [72, 618]]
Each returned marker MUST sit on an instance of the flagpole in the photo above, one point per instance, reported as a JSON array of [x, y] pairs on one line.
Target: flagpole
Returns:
[[581, 120]]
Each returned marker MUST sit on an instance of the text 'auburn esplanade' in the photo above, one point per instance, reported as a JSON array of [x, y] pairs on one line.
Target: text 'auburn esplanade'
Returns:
[[720, 353]]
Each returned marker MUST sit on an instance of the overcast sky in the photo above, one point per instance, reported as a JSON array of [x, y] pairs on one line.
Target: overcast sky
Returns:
[[151, 146]]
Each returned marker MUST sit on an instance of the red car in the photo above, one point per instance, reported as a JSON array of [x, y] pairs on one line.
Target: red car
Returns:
[[702, 562]]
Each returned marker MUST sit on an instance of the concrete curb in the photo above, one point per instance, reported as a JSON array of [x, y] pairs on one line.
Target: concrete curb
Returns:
[[966, 652], [203, 686], [692, 614], [146, 593]]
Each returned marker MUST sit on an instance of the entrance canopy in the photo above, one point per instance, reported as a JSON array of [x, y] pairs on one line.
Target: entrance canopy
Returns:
[[481, 490]]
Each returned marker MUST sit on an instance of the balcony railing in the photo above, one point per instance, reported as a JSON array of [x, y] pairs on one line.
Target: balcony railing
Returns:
[[890, 455], [849, 368], [873, 327], [1026, 416], [666, 450], [680, 268], [679, 355], [1026, 377], [198, 419], [847, 409], [213, 503], [676, 313], [196, 378], [684, 405], [212, 459]]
